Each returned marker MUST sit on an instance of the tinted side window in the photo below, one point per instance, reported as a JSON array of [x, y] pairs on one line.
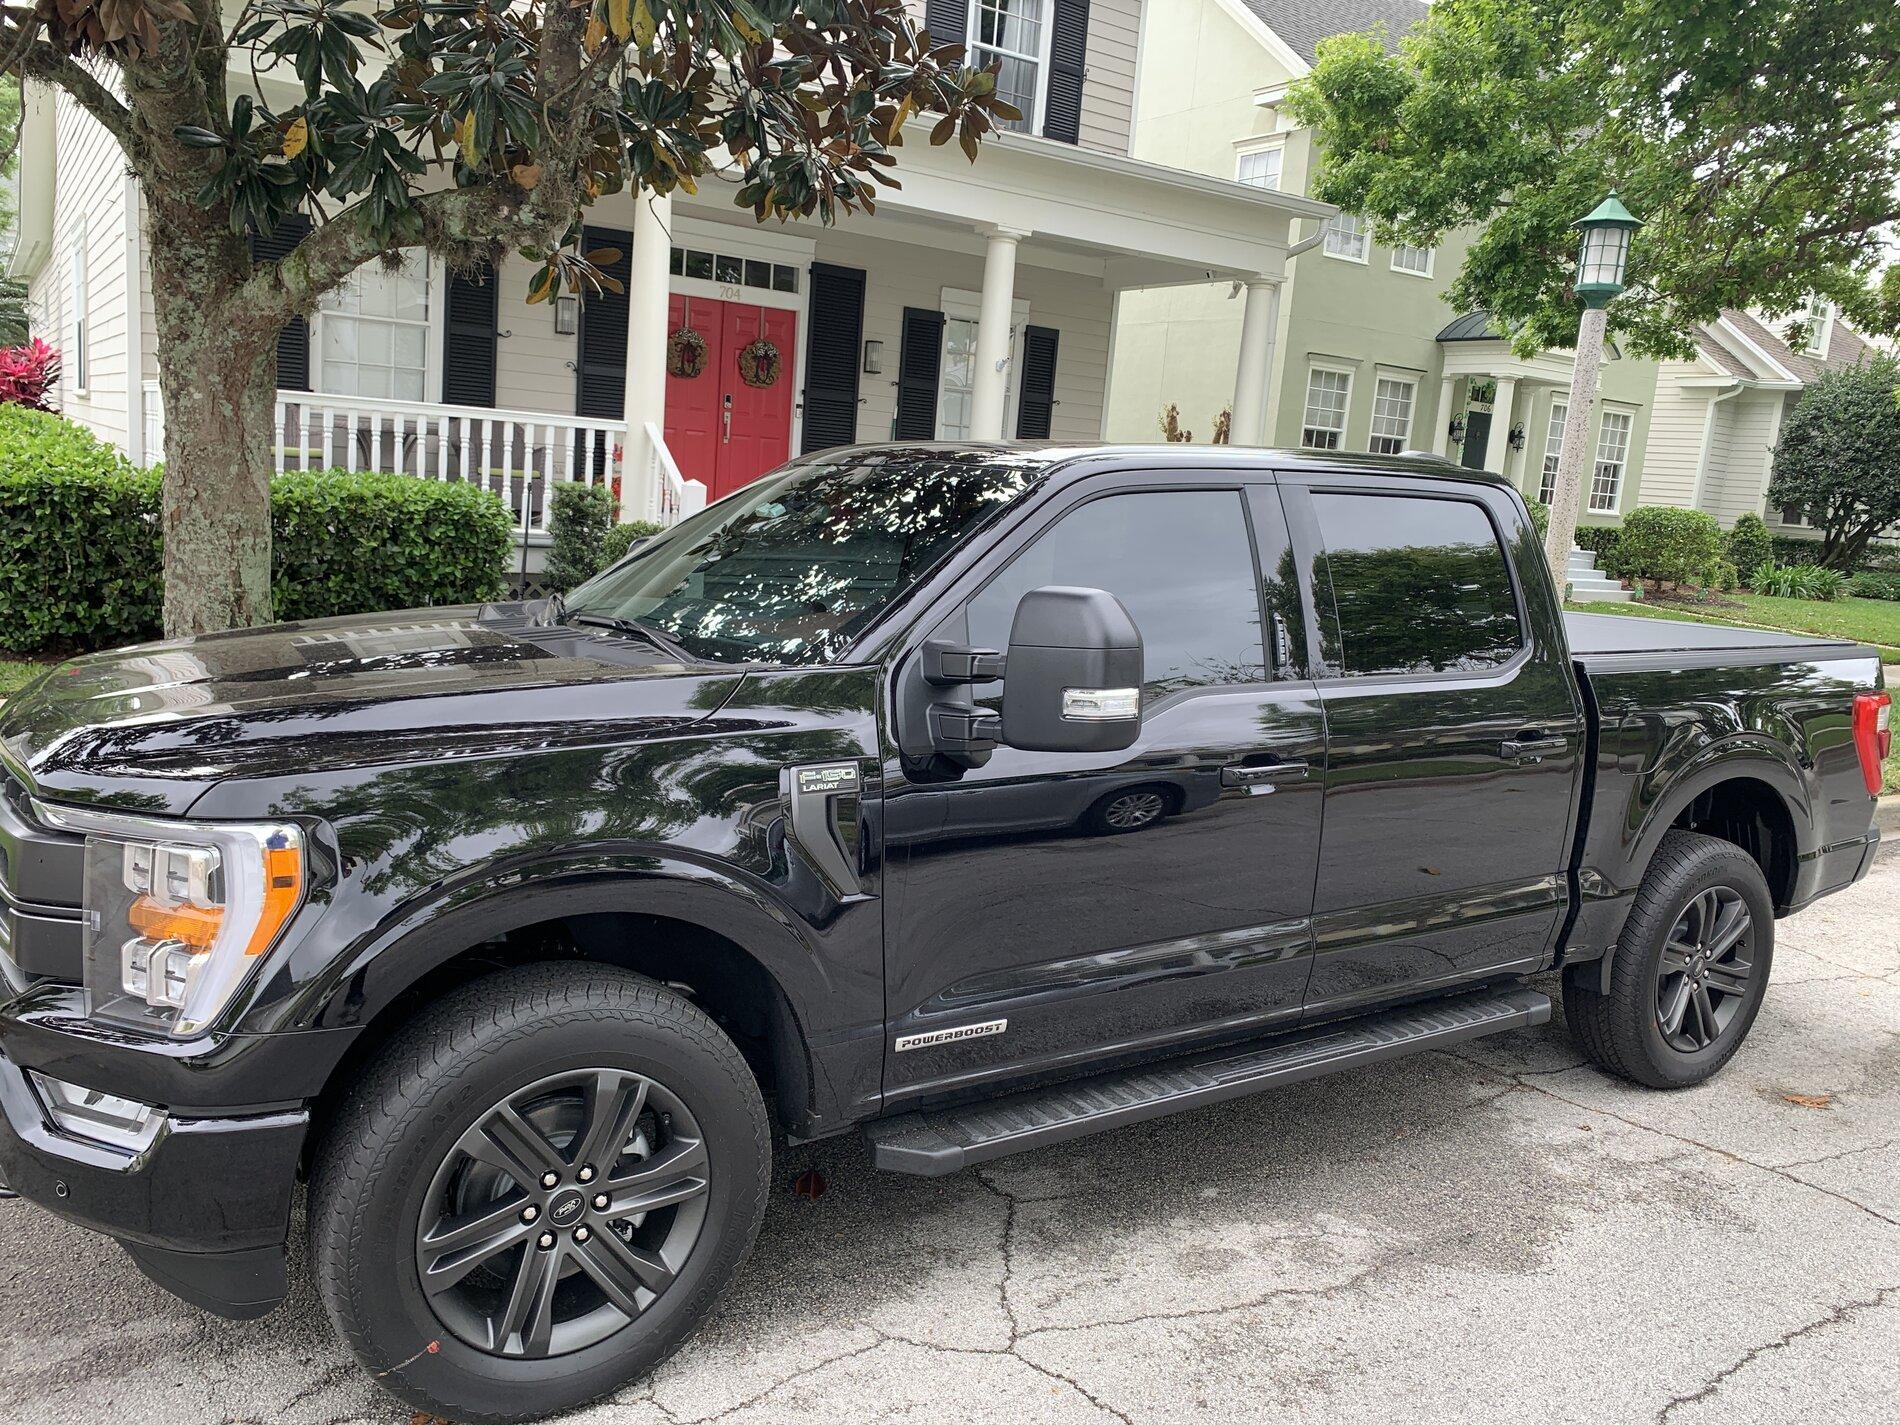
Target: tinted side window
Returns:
[[1180, 561], [1419, 586]]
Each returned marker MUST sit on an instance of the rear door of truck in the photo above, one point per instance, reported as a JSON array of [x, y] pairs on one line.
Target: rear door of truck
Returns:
[[1454, 734]]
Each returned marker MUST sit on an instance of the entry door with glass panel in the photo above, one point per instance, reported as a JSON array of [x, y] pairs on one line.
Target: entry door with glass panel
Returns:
[[1452, 738], [1071, 903]]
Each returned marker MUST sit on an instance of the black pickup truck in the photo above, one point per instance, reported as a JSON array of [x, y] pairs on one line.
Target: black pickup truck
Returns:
[[972, 798]]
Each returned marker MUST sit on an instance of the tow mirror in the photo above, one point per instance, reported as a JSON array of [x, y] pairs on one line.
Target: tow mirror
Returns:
[[1073, 681]]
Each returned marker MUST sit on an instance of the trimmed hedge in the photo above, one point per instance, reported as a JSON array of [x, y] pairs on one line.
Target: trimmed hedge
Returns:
[[1749, 544], [621, 537], [579, 522], [1669, 545], [81, 555], [1872, 584]]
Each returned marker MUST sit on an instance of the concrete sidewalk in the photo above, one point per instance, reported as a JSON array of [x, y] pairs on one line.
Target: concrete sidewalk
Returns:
[[1496, 1234]]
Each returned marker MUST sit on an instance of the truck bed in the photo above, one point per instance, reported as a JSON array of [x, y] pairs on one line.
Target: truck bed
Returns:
[[1610, 642]]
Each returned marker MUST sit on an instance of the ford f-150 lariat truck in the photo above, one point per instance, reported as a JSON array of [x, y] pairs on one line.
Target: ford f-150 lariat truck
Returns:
[[972, 798]]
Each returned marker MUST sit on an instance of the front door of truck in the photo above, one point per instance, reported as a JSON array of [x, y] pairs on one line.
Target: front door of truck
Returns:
[[1049, 908], [1454, 736]]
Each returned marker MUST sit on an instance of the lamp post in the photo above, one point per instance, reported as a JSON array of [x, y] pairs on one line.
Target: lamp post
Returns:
[[1606, 246]]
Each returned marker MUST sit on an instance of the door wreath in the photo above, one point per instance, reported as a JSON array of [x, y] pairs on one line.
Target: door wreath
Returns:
[[685, 353], [759, 362]]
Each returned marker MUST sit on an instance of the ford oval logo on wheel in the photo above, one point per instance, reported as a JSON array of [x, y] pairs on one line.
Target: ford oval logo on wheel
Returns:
[[566, 1209]]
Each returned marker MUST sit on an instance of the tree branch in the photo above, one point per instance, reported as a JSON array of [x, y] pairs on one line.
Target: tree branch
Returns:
[[39, 60]]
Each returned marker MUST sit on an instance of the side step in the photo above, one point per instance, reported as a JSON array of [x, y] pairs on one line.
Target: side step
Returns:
[[939, 1141]]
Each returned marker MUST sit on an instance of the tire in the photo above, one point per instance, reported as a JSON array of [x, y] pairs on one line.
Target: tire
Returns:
[[1685, 982], [1128, 809], [595, 1063]]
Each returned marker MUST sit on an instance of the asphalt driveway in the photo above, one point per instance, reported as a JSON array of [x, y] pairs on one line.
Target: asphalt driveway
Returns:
[[1495, 1234]]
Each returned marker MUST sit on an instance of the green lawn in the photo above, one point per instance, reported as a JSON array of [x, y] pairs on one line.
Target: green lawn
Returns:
[[1875, 621]]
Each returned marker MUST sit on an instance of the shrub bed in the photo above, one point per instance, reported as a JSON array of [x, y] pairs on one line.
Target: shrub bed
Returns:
[[1669, 546]]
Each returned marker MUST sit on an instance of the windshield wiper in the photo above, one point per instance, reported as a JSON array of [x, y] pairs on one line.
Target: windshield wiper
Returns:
[[634, 628]]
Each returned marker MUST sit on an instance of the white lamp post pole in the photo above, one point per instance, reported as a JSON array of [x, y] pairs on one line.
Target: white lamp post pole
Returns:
[[1606, 241]]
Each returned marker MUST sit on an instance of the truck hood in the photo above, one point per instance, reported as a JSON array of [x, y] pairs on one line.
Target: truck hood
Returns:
[[153, 727]]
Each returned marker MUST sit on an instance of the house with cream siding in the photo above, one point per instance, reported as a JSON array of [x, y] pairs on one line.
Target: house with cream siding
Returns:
[[978, 302], [1366, 353]]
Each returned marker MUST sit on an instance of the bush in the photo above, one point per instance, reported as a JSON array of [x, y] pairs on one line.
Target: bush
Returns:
[[81, 557], [1798, 581], [580, 519], [621, 537], [1601, 540], [1668, 545], [1722, 576], [1749, 544], [28, 374], [81, 554], [1540, 517], [1870, 584]]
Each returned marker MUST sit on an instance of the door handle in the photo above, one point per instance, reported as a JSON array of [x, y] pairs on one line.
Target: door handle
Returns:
[[1260, 774], [1531, 749], [726, 421]]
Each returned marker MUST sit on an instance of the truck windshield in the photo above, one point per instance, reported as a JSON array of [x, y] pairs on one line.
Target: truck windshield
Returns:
[[793, 567]]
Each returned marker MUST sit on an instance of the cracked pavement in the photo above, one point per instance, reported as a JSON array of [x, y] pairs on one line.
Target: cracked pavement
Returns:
[[1491, 1234]]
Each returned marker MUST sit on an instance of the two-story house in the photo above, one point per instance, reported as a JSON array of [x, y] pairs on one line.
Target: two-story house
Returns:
[[978, 302], [1366, 354]]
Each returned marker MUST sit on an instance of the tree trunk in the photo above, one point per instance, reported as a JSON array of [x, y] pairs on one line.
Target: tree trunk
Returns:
[[217, 374]]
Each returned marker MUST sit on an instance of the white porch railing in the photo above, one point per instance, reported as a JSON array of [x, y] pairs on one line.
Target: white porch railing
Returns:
[[515, 454], [671, 496]]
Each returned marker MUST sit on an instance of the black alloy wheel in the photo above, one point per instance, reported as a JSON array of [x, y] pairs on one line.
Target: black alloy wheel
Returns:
[[1703, 974]]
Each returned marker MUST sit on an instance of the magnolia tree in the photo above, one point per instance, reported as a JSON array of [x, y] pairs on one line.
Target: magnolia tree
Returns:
[[464, 127], [1838, 458]]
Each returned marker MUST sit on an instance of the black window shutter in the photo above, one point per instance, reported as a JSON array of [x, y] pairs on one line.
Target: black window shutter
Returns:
[[919, 363], [468, 337], [1035, 404], [832, 340], [293, 342], [602, 364], [948, 21], [1068, 63]]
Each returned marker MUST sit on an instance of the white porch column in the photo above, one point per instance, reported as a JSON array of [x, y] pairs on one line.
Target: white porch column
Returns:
[[1498, 447], [1258, 319], [990, 396], [647, 285], [1441, 434]]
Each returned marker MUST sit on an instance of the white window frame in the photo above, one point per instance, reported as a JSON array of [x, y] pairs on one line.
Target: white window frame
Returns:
[[79, 358], [1306, 409], [1276, 147], [1553, 451], [1610, 501], [960, 305], [1360, 231], [1404, 438], [973, 18], [1431, 259], [436, 277]]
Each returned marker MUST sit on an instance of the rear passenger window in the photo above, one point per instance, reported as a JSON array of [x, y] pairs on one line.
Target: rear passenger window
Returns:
[[1179, 559], [1419, 586]]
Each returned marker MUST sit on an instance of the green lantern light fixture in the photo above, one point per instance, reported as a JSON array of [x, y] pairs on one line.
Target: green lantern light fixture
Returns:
[[1606, 249]]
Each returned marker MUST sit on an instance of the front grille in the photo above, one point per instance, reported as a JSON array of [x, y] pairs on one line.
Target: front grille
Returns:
[[42, 887]]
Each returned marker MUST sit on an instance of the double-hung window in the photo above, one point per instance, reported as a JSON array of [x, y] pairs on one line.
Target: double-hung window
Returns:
[[1392, 401], [1553, 452], [1613, 448], [1014, 34], [1328, 393], [374, 332], [1415, 260], [1261, 167], [78, 358], [1346, 237]]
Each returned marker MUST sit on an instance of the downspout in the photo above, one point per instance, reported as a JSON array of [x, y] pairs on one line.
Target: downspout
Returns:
[[1307, 244], [1708, 442]]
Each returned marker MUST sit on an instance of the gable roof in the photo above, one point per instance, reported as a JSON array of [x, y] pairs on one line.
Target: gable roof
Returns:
[[1845, 347], [1302, 24]]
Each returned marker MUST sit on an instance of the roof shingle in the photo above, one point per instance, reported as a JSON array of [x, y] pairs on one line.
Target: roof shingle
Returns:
[[1302, 24]]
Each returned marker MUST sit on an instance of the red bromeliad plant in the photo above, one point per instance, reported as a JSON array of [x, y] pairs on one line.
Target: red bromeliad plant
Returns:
[[27, 374]]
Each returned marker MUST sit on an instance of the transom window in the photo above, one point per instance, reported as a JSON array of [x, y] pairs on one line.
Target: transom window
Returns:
[[1261, 168], [1328, 394], [1346, 237], [734, 271], [1415, 260], [373, 332], [1015, 33], [1613, 448], [1553, 452], [1392, 400]]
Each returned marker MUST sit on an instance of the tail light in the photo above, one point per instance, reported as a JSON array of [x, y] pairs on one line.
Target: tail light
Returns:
[[1873, 735]]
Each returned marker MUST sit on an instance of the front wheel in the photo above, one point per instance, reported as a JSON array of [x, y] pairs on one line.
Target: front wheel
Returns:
[[537, 1191], [1690, 968]]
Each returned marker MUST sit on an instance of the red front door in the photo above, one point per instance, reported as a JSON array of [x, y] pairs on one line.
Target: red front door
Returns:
[[721, 429]]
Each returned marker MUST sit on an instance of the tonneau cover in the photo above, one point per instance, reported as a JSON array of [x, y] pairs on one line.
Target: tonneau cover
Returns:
[[1658, 642]]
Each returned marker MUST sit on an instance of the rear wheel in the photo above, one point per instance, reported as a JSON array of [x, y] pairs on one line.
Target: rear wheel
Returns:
[[1129, 809], [1689, 972], [540, 1188]]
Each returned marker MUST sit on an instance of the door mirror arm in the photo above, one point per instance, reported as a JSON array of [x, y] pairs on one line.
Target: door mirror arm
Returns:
[[940, 712]]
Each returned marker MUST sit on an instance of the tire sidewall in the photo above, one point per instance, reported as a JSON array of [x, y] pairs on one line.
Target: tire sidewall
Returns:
[[388, 1314]]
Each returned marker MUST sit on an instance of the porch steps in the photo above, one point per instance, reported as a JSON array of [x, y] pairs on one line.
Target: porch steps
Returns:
[[1587, 586], [933, 1142]]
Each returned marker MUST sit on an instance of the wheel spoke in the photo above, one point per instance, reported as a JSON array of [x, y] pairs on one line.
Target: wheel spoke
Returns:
[[530, 1309], [508, 1142], [455, 1247], [1672, 1013], [614, 1101], [1704, 1033], [1675, 957], [1729, 979], [681, 1158], [1731, 925], [649, 1268], [620, 1270]]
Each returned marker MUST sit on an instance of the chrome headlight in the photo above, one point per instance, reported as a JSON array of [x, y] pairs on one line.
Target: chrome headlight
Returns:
[[178, 914]]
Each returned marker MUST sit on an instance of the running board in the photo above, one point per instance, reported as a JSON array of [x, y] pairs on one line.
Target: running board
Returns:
[[939, 1141]]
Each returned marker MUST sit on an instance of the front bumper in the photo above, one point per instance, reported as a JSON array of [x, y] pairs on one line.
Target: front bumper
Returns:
[[204, 1209]]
